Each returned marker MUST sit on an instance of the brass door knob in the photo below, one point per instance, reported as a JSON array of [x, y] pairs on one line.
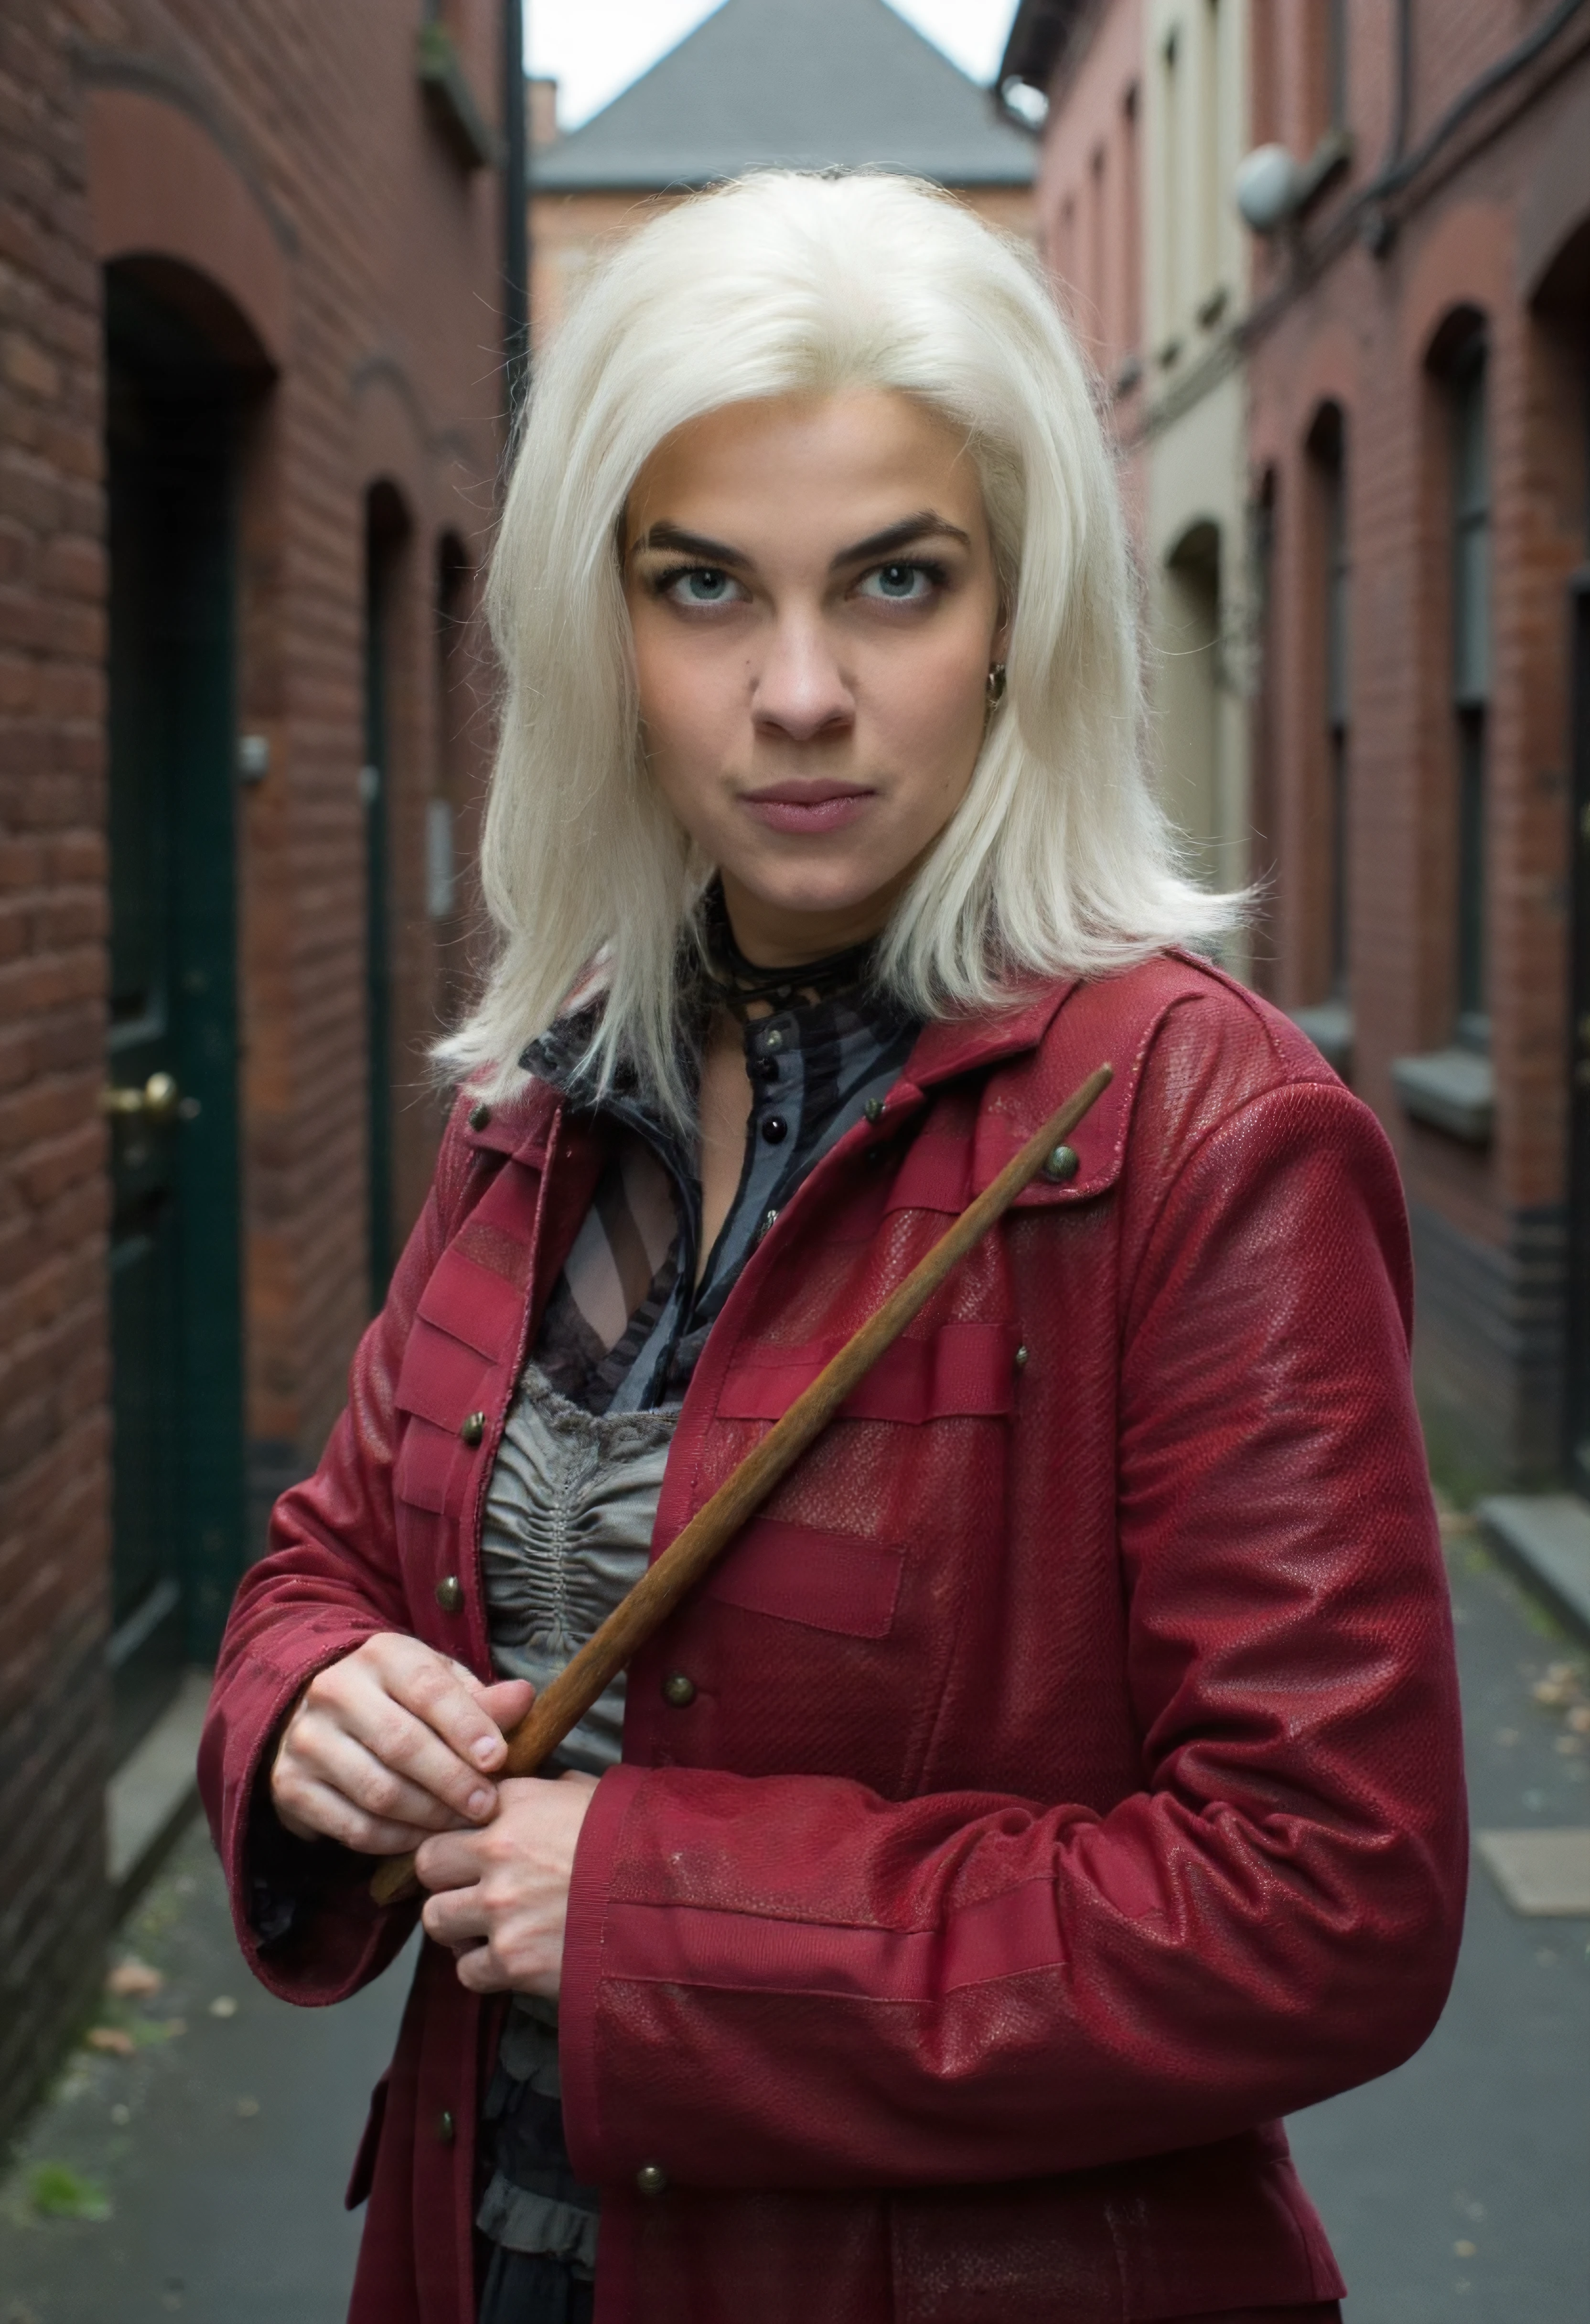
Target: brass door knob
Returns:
[[159, 1099]]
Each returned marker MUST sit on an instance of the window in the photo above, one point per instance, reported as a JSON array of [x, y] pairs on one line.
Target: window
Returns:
[[1337, 579], [1171, 200], [1471, 682], [1335, 62], [1211, 158]]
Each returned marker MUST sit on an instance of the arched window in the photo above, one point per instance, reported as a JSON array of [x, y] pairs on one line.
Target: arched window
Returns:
[[1333, 583], [1469, 525], [386, 535]]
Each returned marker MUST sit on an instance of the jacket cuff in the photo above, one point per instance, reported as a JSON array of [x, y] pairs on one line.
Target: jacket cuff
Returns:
[[595, 1858], [324, 1952]]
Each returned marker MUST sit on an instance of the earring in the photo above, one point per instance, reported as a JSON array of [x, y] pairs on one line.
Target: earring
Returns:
[[995, 686]]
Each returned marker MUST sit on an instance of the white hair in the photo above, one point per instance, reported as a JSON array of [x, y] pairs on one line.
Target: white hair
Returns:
[[1058, 860]]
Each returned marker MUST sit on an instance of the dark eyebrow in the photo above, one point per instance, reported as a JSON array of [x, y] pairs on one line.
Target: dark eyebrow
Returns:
[[925, 523], [688, 544]]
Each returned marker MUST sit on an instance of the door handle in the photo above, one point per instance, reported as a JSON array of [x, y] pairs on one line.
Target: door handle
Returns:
[[158, 1101]]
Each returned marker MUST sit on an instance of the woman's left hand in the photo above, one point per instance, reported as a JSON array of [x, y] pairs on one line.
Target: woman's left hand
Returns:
[[500, 1896]]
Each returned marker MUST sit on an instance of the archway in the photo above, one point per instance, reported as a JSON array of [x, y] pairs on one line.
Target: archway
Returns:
[[181, 369], [1190, 681]]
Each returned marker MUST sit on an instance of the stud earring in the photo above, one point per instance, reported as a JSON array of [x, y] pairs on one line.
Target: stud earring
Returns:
[[995, 686]]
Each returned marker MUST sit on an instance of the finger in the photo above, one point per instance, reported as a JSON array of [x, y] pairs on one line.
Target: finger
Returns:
[[455, 1918], [449, 1860], [481, 1971], [404, 1742], [507, 1701], [383, 1791], [449, 1706], [327, 1815]]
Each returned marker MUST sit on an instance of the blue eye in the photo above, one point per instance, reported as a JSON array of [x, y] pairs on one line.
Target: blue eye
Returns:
[[902, 585], [699, 585]]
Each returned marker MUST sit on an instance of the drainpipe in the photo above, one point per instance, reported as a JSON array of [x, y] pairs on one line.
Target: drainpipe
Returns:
[[516, 224]]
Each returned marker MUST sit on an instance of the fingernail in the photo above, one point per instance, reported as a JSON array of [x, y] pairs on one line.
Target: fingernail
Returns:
[[487, 1750], [480, 1803]]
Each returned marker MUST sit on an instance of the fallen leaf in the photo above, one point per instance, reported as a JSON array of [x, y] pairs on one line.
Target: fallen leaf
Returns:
[[1464, 2249], [223, 2006], [1579, 1718], [132, 1978], [115, 2040], [248, 2109]]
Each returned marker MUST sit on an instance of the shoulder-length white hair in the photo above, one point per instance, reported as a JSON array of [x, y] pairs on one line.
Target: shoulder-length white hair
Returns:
[[1058, 860]]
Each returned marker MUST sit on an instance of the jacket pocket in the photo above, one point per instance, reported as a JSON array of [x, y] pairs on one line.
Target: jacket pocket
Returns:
[[960, 1371], [361, 2177], [826, 1580]]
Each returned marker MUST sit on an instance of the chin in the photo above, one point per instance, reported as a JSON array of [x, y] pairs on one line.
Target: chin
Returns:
[[817, 889]]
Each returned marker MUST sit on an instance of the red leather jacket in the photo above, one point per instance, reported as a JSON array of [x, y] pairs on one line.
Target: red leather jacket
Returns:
[[1072, 1784]]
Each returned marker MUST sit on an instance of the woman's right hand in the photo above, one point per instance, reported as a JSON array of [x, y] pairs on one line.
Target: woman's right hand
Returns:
[[390, 1744]]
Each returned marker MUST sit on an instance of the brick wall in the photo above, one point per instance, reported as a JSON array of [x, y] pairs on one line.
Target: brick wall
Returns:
[[52, 1362], [1339, 321], [282, 156], [1089, 206]]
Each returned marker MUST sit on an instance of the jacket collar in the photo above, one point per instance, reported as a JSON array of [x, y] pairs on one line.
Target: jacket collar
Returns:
[[943, 1050], [954, 1046]]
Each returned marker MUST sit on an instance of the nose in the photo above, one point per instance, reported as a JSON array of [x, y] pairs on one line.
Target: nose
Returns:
[[798, 688]]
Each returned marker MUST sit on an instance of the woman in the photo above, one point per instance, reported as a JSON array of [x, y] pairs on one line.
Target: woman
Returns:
[[1059, 1779]]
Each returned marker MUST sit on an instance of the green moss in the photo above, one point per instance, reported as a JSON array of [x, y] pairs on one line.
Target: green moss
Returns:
[[57, 2192]]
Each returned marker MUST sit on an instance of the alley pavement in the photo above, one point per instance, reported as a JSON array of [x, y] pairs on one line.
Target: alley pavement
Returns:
[[204, 2141]]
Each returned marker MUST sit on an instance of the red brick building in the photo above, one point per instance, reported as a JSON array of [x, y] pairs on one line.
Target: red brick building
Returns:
[[1415, 651], [1088, 193], [251, 283], [1418, 399]]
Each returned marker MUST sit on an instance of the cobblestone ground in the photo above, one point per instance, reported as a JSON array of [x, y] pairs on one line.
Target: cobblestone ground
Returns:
[[206, 2149]]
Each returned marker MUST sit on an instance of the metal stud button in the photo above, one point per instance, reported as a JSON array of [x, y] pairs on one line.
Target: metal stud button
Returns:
[[776, 1129], [446, 2128], [874, 1109], [479, 1116], [450, 1593], [1063, 1163], [651, 2179], [679, 1689], [1021, 1357], [474, 1428]]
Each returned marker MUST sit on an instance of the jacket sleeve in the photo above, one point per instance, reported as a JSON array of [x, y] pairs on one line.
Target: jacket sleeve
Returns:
[[964, 1988], [329, 1580]]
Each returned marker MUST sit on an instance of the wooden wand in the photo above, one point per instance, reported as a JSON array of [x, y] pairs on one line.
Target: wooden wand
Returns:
[[570, 1696]]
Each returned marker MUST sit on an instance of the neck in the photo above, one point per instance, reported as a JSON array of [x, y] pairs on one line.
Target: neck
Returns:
[[773, 936]]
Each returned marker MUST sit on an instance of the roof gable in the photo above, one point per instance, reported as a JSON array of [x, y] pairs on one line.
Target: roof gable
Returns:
[[792, 83]]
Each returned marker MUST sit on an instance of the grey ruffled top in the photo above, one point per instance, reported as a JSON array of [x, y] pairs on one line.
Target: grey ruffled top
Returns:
[[567, 1529]]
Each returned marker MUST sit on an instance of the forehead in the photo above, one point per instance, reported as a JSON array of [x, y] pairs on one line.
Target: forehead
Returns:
[[853, 461]]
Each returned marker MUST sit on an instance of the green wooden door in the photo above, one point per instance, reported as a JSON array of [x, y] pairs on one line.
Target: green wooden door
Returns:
[[175, 1303]]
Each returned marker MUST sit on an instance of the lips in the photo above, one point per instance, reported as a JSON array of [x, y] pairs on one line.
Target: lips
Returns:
[[806, 809]]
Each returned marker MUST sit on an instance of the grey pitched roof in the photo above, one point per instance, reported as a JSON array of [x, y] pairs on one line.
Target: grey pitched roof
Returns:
[[798, 84]]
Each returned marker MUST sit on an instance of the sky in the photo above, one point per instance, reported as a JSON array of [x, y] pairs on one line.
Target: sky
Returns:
[[594, 48]]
